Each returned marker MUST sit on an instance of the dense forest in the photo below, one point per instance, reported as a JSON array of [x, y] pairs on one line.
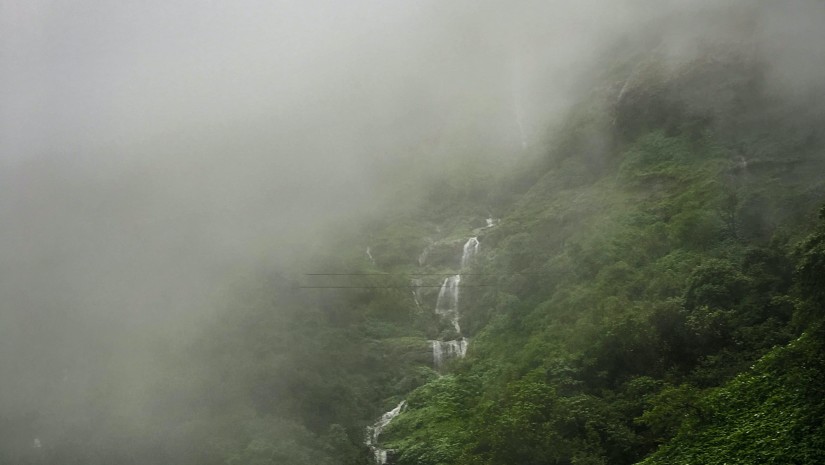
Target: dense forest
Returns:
[[647, 287], [656, 291]]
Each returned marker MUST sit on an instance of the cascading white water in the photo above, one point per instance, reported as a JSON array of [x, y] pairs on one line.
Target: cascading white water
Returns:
[[447, 303], [517, 100], [416, 292], [448, 295], [470, 250], [447, 306], [422, 257], [448, 349], [438, 353], [375, 430]]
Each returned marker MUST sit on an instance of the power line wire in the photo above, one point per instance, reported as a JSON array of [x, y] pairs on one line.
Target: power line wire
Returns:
[[423, 274], [398, 274], [385, 287]]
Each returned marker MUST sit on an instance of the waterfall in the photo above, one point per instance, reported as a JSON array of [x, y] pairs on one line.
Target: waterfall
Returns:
[[447, 303], [438, 353], [448, 349], [369, 255], [448, 295], [447, 306], [376, 429], [422, 257], [470, 250], [416, 292], [517, 105], [516, 83]]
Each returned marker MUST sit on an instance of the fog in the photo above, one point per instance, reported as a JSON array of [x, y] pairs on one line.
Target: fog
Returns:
[[151, 151], [147, 147]]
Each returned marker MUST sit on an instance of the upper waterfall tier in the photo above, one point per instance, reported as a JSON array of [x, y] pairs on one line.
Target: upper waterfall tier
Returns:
[[470, 250], [447, 303]]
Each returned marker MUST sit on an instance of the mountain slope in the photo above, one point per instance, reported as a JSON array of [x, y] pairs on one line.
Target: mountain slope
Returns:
[[654, 262], [634, 278]]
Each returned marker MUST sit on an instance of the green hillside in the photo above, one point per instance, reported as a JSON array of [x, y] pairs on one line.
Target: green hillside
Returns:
[[648, 276]]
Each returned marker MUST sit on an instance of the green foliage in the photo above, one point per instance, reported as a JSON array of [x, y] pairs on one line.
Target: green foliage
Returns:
[[276, 442], [431, 431], [715, 284], [771, 414], [521, 426], [668, 410], [656, 157]]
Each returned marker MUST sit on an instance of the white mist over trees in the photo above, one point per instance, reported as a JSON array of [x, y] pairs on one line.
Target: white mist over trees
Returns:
[[154, 153]]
